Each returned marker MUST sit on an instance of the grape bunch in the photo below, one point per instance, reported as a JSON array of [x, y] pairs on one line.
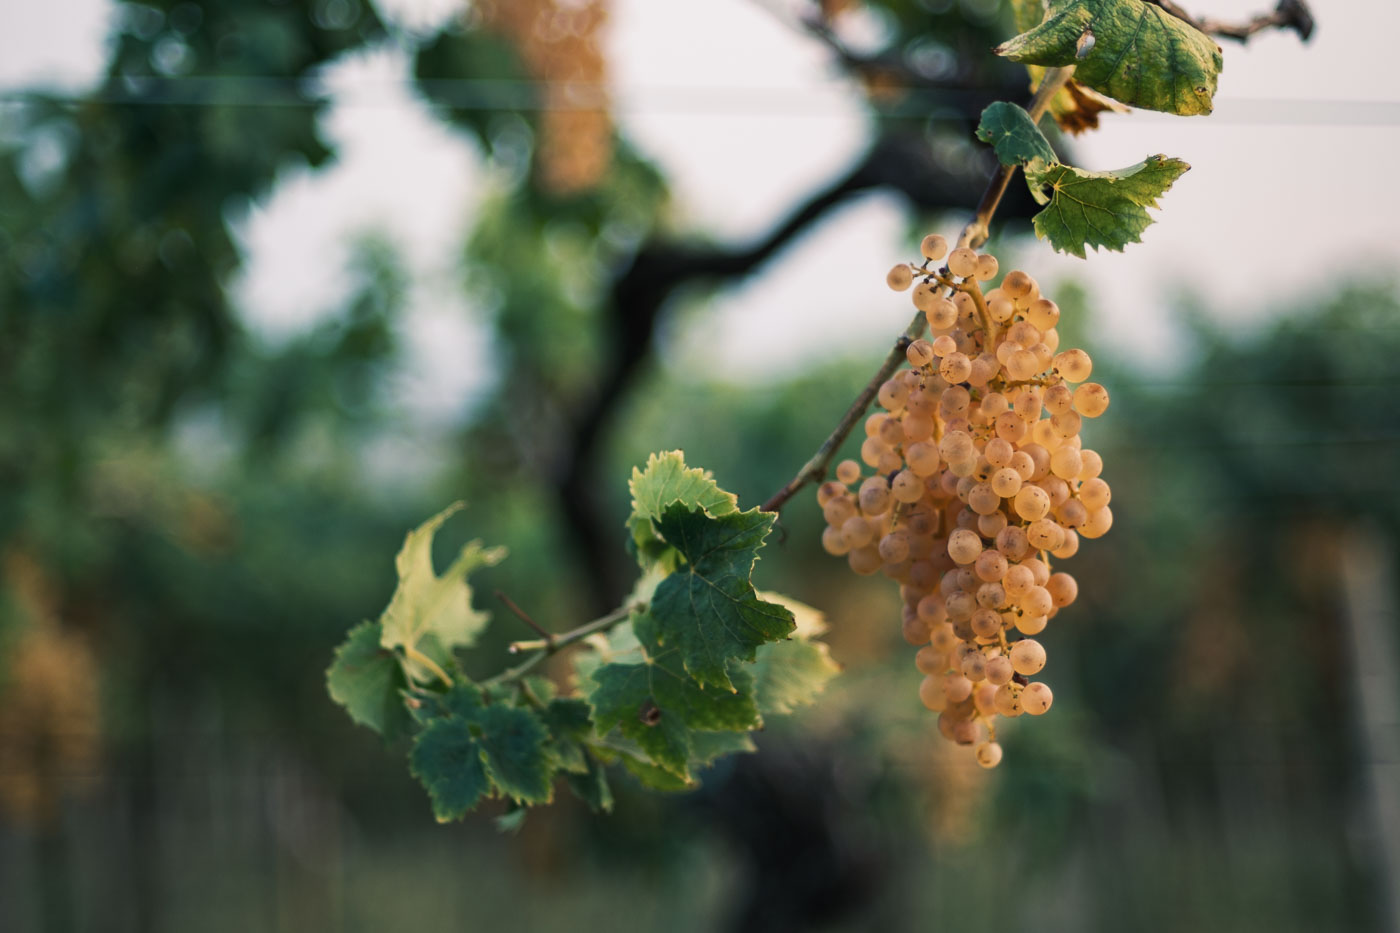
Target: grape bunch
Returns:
[[978, 484]]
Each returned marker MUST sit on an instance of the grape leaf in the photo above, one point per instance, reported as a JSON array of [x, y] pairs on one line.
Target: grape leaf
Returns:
[[513, 750], [789, 674], [470, 750], [667, 480], [447, 760], [1133, 51], [591, 786], [708, 608], [1074, 107], [1099, 209], [657, 705], [570, 724], [1013, 134], [428, 615], [366, 680]]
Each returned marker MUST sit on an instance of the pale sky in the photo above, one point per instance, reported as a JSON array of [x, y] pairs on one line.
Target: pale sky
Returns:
[[746, 117]]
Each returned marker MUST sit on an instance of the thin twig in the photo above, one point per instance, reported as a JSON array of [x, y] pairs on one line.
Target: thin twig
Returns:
[[545, 647], [815, 468], [1289, 14], [523, 616]]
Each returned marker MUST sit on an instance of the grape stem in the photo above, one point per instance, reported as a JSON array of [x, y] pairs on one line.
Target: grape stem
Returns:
[[816, 467], [545, 647]]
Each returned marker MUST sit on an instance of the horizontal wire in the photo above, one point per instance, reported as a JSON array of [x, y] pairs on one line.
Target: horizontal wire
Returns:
[[514, 94]]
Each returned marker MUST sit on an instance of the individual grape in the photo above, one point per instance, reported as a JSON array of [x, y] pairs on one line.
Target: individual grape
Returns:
[[1073, 365], [956, 686], [989, 526], [1058, 398], [964, 546], [919, 353], [1001, 309], [894, 547], [834, 542], [988, 754], [1006, 482], [987, 267], [1036, 602], [847, 471], [1031, 503], [1043, 313], [1067, 424], [1093, 464], [906, 487], [974, 667], [986, 623], [1017, 284], [942, 316], [1027, 657], [1063, 589], [874, 496], [931, 694], [865, 560], [1091, 400], [1066, 462], [828, 491], [991, 595], [838, 510], [1036, 698], [1095, 494], [1008, 700], [900, 277], [956, 367], [1044, 535], [929, 660], [999, 670], [1097, 524], [984, 697], [934, 247], [873, 450], [922, 458], [914, 629], [1031, 625], [983, 500], [962, 262], [1069, 548], [1039, 571], [892, 394], [1011, 427], [858, 531], [1070, 514], [990, 566], [1012, 542]]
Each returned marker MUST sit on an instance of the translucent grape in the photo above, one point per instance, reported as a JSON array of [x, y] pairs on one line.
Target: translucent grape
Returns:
[[934, 247], [962, 262], [900, 277]]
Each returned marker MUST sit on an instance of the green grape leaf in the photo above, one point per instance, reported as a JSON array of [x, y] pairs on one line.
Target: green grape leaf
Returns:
[[513, 750], [657, 778], [1098, 209], [591, 786], [705, 747], [707, 608], [667, 480], [659, 706], [447, 760], [366, 680], [570, 724], [789, 674], [1013, 134], [430, 615], [1133, 51]]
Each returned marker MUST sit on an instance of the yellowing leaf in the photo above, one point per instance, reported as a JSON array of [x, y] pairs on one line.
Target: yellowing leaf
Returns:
[[430, 615]]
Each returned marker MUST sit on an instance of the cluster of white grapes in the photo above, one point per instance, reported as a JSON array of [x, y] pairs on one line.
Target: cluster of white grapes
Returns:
[[979, 482]]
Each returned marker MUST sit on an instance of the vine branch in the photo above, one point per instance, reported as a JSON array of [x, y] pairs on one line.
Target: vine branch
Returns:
[[973, 235], [1289, 14]]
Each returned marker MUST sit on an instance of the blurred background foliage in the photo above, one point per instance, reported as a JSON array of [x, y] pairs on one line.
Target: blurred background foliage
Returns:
[[193, 516]]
